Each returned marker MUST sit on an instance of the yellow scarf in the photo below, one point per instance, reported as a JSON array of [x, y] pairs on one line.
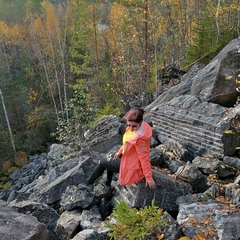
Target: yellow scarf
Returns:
[[127, 136]]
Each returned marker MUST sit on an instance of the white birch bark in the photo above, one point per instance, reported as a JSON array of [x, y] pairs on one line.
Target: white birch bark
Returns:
[[217, 19], [8, 122]]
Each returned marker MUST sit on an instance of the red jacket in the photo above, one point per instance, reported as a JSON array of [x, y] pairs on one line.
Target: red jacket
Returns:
[[135, 162]]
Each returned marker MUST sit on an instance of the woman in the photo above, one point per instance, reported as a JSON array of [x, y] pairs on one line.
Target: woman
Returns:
[[132, 160]]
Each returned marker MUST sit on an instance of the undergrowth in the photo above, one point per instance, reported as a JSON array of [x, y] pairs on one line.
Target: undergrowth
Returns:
[[131, 223]]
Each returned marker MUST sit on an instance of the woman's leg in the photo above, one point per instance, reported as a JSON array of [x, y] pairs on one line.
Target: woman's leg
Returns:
[[111, 166]]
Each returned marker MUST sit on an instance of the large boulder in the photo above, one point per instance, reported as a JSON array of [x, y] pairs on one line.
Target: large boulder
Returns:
[[198, 125], [165, 194], [15, 226], [216, 82]]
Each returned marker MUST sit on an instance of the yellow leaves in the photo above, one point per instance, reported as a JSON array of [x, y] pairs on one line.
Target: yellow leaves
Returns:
[[35, 118], [12, 33], [229, 132], [184, 238], [32, 96], [159, 212], [210, 231], [237, 82], [160, 236], [229, 78], [44, 4]]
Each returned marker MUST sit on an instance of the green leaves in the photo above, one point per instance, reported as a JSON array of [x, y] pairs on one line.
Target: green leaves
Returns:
[[82, 111], [131, 223]]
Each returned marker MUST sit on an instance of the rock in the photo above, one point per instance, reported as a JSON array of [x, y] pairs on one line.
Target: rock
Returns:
[[50, 192], [105, 134], [166, 192], [91, 219], [174, 155], [44, 213], [209, 83], [232, 161], [209, 221], [172, 229], [190, 174], [74, 198], [214, 166], [68, 224], [91, 234], [199, 126], [17, 226], [232, 192]]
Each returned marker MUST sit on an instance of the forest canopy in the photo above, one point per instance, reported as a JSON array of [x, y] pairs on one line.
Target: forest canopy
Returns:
[[65, 63]]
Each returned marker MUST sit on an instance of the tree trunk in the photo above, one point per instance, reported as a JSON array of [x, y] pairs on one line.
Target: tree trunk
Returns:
[[145, 78], [217, 19], [8, 123]]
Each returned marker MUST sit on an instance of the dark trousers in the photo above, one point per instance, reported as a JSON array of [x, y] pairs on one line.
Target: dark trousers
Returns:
[[111, 165]]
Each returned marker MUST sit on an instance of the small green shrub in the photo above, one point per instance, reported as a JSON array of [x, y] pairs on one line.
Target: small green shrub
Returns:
[[131, 223], [12, 169], [7, 185], [21, 158]]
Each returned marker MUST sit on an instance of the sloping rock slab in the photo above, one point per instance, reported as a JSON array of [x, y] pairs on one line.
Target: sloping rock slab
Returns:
[[16, 226], [165, 194], [210, 83]]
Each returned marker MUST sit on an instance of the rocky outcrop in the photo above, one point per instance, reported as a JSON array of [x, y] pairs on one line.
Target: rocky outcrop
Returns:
[[214, 82], [198, 125], [194, 111]]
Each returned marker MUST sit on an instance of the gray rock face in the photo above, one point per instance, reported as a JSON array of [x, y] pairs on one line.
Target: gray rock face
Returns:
[[214, 166], [193, 111], [197, 125], [210, 82], [44, 213], [192, 175], [16, 226], [164, 195], [105, 134], [68, 224]]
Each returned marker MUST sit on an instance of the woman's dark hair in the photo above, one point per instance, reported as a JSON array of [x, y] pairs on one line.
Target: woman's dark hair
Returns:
[[140, 109], [135, 115]]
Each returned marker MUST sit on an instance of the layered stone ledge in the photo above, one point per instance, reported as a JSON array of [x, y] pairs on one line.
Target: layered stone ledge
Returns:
[[198, 125]]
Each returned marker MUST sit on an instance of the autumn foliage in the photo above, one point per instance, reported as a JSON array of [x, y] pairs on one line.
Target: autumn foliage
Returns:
[[113, 48]]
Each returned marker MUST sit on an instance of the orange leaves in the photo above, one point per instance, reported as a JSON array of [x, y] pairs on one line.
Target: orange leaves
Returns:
[[13, 33], [200, 237], [184, 238], [193, 222]]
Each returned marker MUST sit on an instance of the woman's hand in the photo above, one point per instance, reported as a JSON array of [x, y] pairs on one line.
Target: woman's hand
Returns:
[[150, 183], [117, 155]]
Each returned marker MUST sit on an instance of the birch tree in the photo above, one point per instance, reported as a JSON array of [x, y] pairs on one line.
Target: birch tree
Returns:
[[8, 122]]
